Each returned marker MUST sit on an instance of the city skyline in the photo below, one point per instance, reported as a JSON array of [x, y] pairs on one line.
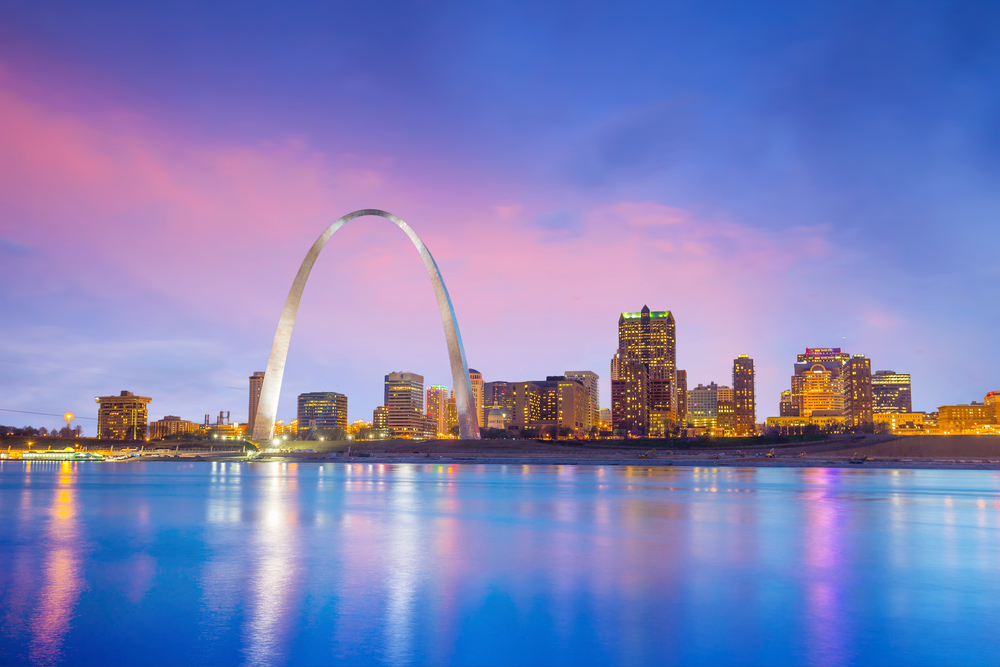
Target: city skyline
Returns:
[[146, 239]]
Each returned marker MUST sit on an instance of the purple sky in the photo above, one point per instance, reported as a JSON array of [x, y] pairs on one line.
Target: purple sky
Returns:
[[779, 176]]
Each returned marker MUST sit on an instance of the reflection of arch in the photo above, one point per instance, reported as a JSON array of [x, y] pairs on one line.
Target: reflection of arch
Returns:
[[267, 406]]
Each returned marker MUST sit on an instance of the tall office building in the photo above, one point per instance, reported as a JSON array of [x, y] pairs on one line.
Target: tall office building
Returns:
[[616, 361], [437, 407], [744, 398], [476, 378], [647, 345], [891, 392], [682, 397], [452, 423], [703, 404], [123, 417], [556, 401], [857, 377], [498, 394], [321, 410], [591, 381], [406, 405], [818, 385], [256, 382]]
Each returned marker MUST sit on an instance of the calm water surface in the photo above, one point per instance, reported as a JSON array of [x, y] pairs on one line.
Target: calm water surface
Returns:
[[323, 563]]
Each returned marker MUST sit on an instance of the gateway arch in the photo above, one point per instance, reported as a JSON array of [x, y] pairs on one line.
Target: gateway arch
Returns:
[[267, 406]]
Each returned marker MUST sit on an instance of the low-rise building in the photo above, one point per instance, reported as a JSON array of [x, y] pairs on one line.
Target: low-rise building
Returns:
[[170, 426], [122, 417]]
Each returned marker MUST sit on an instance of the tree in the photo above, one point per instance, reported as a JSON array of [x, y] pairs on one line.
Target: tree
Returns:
[[565, 432], [454, 431]]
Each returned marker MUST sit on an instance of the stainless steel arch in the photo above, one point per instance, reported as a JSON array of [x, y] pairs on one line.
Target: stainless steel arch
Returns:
[[267, 407]]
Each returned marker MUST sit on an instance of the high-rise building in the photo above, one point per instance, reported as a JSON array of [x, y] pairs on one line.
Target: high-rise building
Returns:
[[818, 385], [321, 410], [256, 382], [498, 394], [857, 374], [591, 381], [744, 398], [557, 401], [452, 414], [703, 404], [122, 417], [682, 397], [616, 365], [725, 418], [406, 405], [891, 392], [476, 379], [647, 345], [437, 407], [786, 408]]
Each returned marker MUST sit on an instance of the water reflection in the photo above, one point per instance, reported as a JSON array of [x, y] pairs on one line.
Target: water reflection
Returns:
[[275, 563], [61, 579]]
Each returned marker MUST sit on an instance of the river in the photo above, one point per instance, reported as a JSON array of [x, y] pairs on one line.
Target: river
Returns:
[[332, 563]]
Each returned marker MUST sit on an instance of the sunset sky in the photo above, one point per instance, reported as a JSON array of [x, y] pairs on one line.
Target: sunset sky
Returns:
[[778, 175]]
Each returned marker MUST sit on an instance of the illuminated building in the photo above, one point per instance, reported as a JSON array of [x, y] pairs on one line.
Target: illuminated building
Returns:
[[682, 397], [616, 365], [256, 382], [744, 397], [617, 404], [321, 410], [647, 350], [797, 425], [498, 417], [702, 405], [903, 423], [993, 398], [281, 428], [891, 392], [380, 418], [498, 394], [406, 405], [437, 407], [476, 378], [725, 418], [857, 379], [786, 408], [605, 424], [972, 418], [818, 382], [452, 423], [122, 417], [591, 381], [557, 401], [169, 426]]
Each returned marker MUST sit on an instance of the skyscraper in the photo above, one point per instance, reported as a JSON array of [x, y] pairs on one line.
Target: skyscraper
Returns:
[[857, 374], [256, 382], [744, 398], [647, 345], [437, 406], [591, 381], [682, 397], [122, 417], [406, 405], [321, 410], [703, 403], [476, 378], [891, 392]]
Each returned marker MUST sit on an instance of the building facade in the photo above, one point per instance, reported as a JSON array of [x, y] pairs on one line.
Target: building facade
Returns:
[[591, 381], [406, 405], [858, 406], [744, 397], [498, 394], [122, 417], [647, 365], [256, 383], [171, 426], [321, 410], [557, 401], [682, 397], [702, 405], [818, 385], [891, 392], [476, 378], [437, 407]]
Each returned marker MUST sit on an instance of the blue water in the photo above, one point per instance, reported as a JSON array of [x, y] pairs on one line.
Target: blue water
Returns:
[[324, 563]]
